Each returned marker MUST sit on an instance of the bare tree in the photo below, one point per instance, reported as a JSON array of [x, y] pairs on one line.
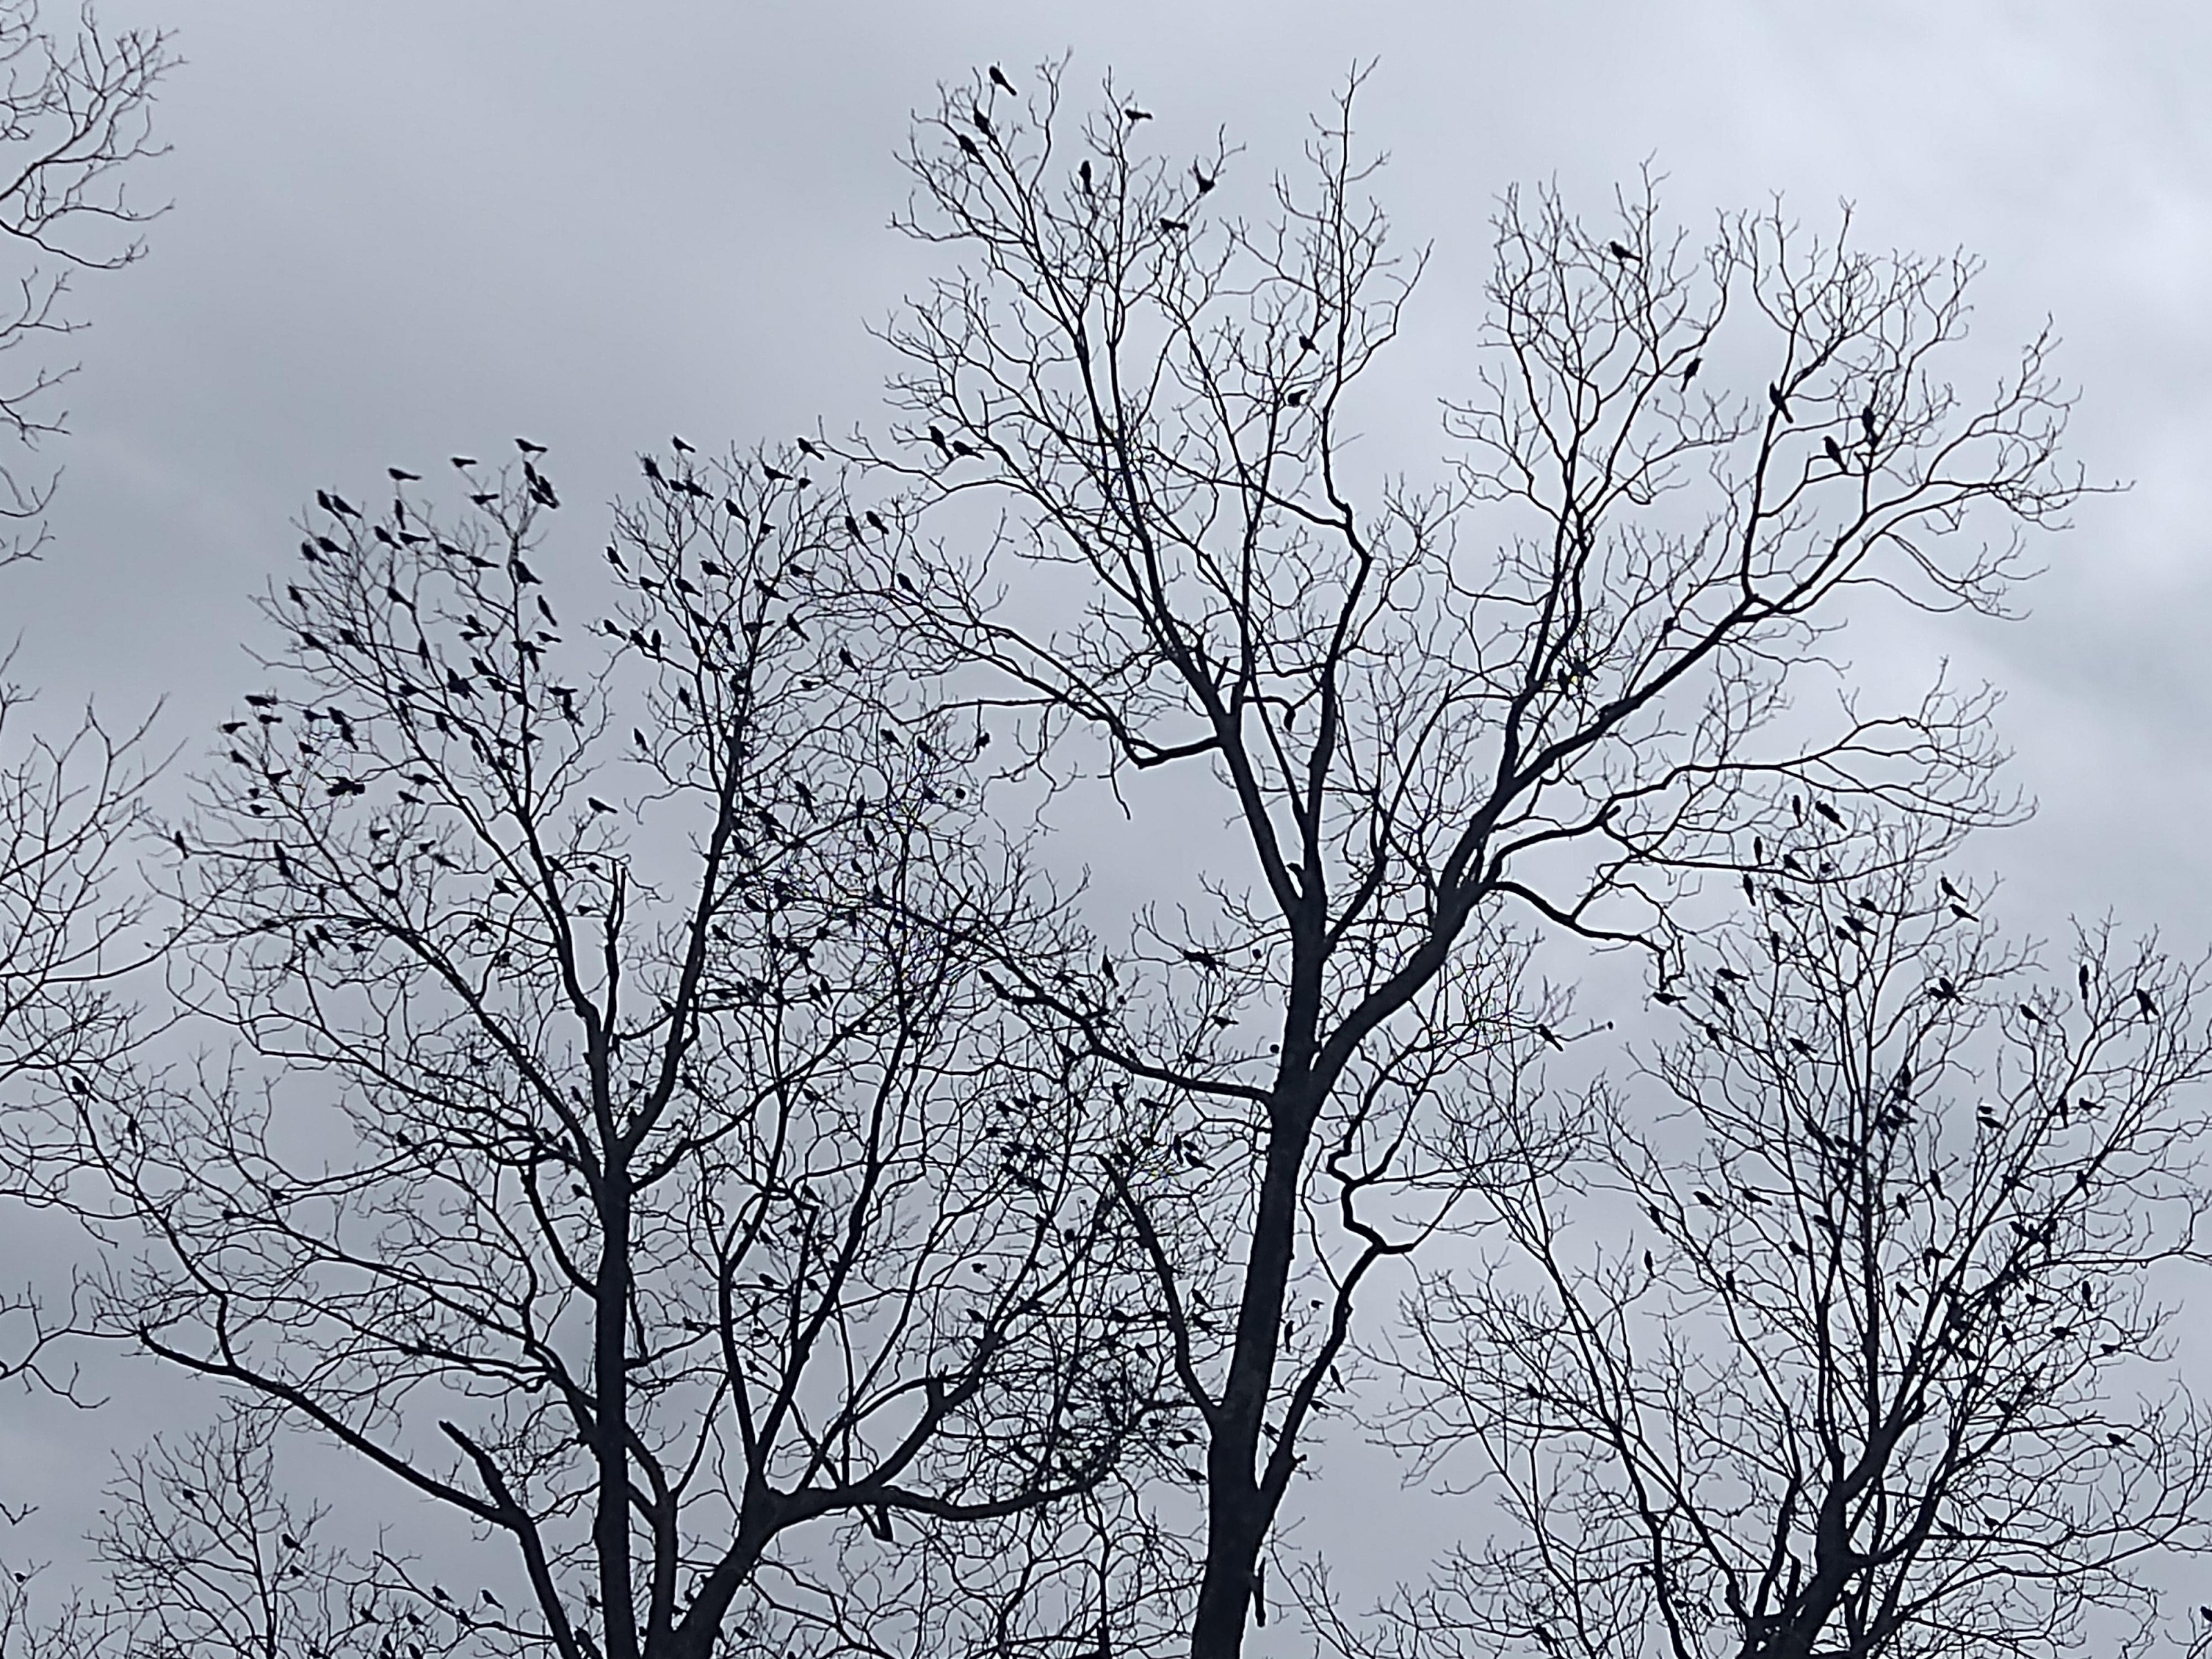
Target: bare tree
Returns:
[[76, 113], [75, 108], [632, 1159], [1866, 1348], [1528, 697], [67, 807], [206, 1557]]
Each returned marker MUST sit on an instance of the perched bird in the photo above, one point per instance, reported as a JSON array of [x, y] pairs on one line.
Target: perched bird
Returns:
[[1134, 114], [874, 523], [597, 805], [653, 470], [1690, 373], [679, 443], [998, 79], [967, 146], [982, 122], [1829, 813], [806, 448], [464, 462], [528, 447], [1781, 404], [1083, 172], [1832, 449], [1624, 253], [1204, 183], [1175, 224], [2144, 1005], [1866, 423], [400, 474]]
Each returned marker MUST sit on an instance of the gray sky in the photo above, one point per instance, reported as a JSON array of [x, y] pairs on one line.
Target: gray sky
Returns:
[[422, 226]]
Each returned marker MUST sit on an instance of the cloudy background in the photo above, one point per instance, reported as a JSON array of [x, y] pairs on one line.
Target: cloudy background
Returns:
[[414, 226]]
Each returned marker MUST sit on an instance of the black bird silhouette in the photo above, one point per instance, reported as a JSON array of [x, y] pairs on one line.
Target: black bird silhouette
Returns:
[[982, 122], [1204, 183], [874, 523], [998, 79], [484, 497], [1829, 813], [1624, 253], [1135, 114], [679, 444], [967, 146], [528, 447], [2144, 1005], [1866, 423], [937, 438], [1690, 373], [401, 475], [597, 805], [464, 462], [1781, 404], [1833, 450], [1175, 224], [806, 448], [2082, 974], [1084, 173], [653, 470]]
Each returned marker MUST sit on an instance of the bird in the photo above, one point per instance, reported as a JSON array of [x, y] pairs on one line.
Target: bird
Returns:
[[1690, 371], [2082, 975], [1204, 183], [653, 470], [597, 805], [2144, 1005], [806, 448], [1624, 253], [1175, 224], [936, 437], [982, 122], [967, 146], [1774, 395], [400, 474], [528, 447], [998, 79], [679, 444], [464, 462], [1829, 813], [1833, 450], [874, 523], [1133, 114], [1866, 423]]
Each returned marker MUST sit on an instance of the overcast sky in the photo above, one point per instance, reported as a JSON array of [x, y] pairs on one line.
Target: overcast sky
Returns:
[[419, 225]]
